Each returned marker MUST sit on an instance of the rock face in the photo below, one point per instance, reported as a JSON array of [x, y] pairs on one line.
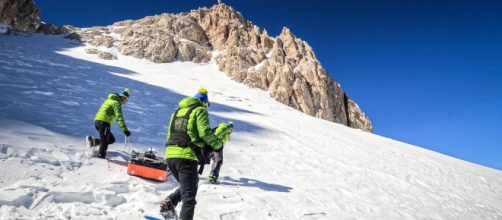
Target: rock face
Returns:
[[284, 66], [163, 38], [21, 14]]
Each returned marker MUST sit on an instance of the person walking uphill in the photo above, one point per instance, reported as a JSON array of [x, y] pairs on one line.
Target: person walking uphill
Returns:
[[109, 111], [217, 157], [189, 130]]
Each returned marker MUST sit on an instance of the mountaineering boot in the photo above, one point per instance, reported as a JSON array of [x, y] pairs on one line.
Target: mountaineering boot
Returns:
[[213, 179], [166, 205], [102, 155], [89, 141], [167, 209]]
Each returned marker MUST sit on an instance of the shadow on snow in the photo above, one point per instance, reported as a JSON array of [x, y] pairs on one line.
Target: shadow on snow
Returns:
[[62, 93], [246, 182]]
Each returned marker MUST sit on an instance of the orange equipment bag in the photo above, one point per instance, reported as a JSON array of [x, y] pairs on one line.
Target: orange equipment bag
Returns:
[[148, 166]]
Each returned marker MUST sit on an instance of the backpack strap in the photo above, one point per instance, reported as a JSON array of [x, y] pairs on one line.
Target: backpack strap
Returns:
[[179, 129], [181, 138]]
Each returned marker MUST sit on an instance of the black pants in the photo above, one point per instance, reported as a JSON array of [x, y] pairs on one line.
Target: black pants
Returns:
[[105, 137], [185, 172], [217, 158]]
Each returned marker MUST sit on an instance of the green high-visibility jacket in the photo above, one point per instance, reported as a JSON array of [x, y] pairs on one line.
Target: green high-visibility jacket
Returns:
[[110, 110], [198, 129]]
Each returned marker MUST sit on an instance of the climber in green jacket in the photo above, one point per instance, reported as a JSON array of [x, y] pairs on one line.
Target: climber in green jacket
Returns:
[[189, 131], [217, 156], [109, 111]]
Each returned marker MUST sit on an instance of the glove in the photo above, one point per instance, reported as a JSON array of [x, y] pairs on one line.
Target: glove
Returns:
[[127, 133], [222, 130], [225, 138], [231, 125]]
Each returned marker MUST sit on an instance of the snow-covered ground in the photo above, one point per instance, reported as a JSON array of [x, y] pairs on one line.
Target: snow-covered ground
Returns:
[[279, 163], [4, 28]]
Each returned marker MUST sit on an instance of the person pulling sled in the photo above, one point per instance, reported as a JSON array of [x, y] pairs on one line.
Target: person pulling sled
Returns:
[[110, 110]]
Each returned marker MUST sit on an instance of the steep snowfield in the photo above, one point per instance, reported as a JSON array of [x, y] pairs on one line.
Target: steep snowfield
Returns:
[[279, 163]]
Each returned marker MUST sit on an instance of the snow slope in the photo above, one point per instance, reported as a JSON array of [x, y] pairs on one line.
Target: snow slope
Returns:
[[279, 163]]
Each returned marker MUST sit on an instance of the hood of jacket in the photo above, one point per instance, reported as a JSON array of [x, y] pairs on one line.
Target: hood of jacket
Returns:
[[115, 97], [189, 102]]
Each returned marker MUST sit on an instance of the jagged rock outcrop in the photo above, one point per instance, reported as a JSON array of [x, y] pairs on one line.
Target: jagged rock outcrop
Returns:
[[356, 115], [287, 66], [22, 15], [163, 38], [284, 66], [48, 29], [64, 29], [106, 56], [74, 36], [166, 38]]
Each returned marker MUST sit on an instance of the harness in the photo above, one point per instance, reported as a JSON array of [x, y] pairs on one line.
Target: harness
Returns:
[[179, 136], [179, 130]]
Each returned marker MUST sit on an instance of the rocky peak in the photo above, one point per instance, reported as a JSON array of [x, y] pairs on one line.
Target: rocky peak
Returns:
[[223, 11], [227, 28], [286, 34], [286, 66]]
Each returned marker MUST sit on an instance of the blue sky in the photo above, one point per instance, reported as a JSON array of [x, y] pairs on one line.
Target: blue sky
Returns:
[[428, 73]]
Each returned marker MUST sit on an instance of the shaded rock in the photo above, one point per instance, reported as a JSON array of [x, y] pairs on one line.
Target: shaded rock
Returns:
[[357, 118], [23, 15], [48, 29], [74, 36]]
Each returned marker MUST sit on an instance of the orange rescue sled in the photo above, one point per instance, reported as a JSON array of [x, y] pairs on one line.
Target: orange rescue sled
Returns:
[[147, 165]]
